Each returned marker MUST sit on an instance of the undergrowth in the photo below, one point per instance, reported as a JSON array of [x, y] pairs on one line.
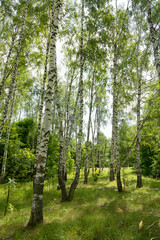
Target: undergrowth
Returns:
[[96, 213]]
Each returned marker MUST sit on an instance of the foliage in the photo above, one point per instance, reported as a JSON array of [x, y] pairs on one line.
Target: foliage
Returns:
[[10, 185]]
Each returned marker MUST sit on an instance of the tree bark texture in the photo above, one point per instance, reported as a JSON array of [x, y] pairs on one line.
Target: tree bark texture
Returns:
[[42, 98], [38, 182]]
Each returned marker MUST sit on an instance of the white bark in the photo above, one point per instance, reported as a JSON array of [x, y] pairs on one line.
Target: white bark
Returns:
[[37, 200], [42, 98], [5, 75], [3, 172]]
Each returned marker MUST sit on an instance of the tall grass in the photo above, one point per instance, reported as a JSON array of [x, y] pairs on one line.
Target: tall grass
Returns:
[[96, 213]]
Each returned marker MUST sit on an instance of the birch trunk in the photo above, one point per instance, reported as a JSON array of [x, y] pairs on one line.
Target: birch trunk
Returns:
[[78, 155], [139, 76], [98, 136], [112, 178], [38, 182], [5, 75], [93, 134], [42, 98], [88, 133], [66, 137], [3, 172], [61, 154], [155, 42], [118, 170], [134, 140], [12, 85]]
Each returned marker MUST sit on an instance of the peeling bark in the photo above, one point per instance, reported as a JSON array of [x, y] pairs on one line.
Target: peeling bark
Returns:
[[42, 98]]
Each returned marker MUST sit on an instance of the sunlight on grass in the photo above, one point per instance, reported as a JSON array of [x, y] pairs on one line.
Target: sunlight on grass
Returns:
[[99, 212]]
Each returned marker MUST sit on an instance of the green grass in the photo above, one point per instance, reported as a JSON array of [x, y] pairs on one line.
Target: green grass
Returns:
[[94, 213]]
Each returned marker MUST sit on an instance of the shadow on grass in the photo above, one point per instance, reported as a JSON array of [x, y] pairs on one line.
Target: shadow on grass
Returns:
[[94, 214], [94, 223]]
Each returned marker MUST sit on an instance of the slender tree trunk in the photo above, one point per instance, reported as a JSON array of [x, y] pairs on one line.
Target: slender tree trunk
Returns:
[[88, 133], [12, 85], [78, 155], [95, 169], [155, 42], [118, 170], [66, 133], [100, 157], [115, 130], [134, 140], [61, 154], [98, 136], [139, 76], [93, 134], [104, 155], [42, 98], [5, 75], [38, 182], [3, 172], [112, 178]]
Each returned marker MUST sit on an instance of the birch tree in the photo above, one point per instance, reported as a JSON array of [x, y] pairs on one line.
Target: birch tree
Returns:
[[80, 92], [38, 182], [154, 40], [3, 172], [42, 97], [5, 73], [86, 171], [12, 85]]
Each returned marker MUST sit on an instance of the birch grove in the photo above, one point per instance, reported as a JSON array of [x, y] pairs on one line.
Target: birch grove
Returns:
[[79, 99]]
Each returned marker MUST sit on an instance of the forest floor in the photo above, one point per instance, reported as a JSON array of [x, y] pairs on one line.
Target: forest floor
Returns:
[[97, 212]]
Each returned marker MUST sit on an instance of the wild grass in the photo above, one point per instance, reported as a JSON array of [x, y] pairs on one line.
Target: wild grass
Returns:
[[96, 213]]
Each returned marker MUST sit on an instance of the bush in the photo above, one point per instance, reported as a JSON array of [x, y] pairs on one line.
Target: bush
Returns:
[[156, 166]]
